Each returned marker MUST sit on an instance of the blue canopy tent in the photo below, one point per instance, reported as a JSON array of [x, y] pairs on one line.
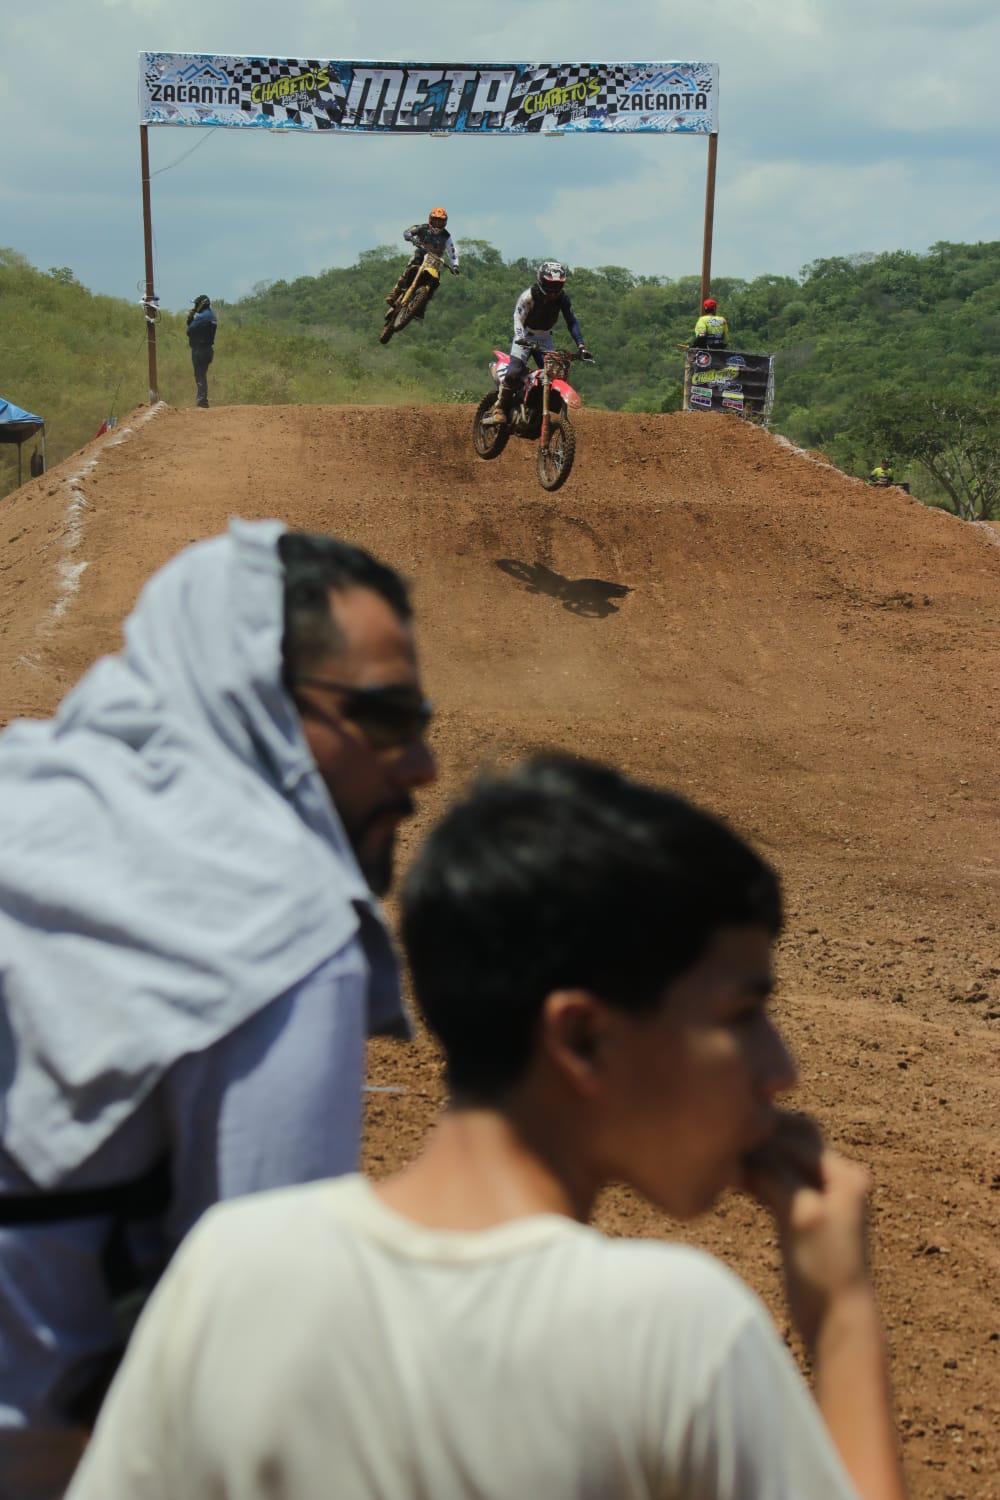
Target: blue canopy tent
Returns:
[[16, 426]]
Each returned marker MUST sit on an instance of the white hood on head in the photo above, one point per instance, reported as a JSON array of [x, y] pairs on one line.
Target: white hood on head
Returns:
[[170, 859]]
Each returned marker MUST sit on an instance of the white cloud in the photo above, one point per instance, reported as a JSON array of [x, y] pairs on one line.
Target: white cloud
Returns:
[[845, 126]]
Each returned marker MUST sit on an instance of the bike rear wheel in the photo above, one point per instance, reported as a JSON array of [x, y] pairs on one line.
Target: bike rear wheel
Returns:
[[416, 304], [556, 459], [489, 440]]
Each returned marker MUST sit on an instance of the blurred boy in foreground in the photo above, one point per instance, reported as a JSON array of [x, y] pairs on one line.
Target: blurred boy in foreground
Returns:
[[594, 957]]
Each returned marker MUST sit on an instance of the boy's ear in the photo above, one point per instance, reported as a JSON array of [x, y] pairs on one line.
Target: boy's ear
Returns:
[[573, 1025]]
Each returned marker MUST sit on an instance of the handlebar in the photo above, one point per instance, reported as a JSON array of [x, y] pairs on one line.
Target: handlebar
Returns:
[[566, 355]]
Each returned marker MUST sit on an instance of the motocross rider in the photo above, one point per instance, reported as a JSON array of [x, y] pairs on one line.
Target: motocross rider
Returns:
[[538, 307], [431, 236], [711, 330], [882, 473]]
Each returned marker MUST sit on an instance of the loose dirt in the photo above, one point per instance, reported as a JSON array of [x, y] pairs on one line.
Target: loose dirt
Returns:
[[714, 611]]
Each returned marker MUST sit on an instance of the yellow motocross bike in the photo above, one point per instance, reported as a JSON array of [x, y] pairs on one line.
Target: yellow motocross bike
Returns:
[[414, 300]]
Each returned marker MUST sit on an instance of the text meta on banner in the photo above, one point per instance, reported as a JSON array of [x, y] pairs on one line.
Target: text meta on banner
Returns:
[[287, 93]]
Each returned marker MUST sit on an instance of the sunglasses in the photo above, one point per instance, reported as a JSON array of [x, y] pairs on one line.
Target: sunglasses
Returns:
[[388, 716]]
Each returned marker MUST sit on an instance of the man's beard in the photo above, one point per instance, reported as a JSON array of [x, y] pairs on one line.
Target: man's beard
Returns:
[[377, 862], [377, 866]]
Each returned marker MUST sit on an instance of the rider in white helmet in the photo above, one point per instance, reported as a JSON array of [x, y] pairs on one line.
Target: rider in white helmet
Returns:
[[535, 316]]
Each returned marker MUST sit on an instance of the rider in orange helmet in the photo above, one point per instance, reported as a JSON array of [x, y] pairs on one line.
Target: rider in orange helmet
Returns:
[[711, 330], [433, 235]]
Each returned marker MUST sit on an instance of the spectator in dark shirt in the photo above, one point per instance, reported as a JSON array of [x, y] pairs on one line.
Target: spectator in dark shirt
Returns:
[[201, 326]]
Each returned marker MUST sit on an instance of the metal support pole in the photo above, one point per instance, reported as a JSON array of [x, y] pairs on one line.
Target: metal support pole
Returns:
[[149, 301], [706, 253]]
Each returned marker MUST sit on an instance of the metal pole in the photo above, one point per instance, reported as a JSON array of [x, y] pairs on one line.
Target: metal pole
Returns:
[[149, 301], [706, 253]]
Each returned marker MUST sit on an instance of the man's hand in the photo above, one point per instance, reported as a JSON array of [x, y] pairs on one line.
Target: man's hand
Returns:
[[819, 1202], [585, 354]]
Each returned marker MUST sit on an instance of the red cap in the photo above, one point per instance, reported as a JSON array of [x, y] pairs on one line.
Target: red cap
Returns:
[[709, 305]]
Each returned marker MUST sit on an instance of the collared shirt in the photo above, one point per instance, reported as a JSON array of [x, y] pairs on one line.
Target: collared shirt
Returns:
[[201, 329], [277, 1101]]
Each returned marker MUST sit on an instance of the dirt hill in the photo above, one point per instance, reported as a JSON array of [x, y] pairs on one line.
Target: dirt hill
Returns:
[[712, 610]]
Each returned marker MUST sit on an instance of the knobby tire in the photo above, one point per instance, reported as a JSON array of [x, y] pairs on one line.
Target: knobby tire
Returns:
[[489, 442], [556, 461], [416, 304]]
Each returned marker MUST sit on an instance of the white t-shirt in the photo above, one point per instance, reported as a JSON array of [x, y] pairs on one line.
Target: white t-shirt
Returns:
[[311, 1343]]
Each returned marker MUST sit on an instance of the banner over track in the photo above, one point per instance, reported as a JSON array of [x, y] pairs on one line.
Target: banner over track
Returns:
[[513, 100], [509, 99]]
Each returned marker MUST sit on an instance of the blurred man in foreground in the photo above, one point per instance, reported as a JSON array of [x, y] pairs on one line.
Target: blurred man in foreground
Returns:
[[191, 951], [594, 958]]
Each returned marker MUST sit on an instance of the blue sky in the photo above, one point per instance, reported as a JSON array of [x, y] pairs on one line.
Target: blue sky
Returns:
[[845, 125]]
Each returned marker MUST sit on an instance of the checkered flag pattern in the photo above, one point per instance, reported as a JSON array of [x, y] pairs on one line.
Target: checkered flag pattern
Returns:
[[538, 99], [511, 99], [302, 105], [543, 81]]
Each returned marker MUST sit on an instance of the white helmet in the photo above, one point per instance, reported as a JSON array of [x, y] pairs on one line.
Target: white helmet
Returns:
[[551, 277]]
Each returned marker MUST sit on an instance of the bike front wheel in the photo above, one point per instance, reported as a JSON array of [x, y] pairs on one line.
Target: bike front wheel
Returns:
[[555, 460], [409, 310]]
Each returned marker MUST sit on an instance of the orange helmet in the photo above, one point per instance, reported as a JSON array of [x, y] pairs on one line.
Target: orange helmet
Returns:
[[438, 217], [709, 305]]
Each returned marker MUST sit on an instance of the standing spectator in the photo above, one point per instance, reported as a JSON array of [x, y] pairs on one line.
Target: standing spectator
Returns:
[[594, 958], [201, 326], [191, 951], [711, 330]]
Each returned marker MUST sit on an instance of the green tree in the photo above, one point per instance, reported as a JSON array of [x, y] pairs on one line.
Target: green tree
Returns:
[[957, 442]]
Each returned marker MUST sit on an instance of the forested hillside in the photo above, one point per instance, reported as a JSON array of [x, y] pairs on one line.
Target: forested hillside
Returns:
[[899, 351], [861, 341], [76, 358]]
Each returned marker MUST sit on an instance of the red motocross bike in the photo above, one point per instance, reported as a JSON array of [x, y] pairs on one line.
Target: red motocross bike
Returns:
[[541, 411]]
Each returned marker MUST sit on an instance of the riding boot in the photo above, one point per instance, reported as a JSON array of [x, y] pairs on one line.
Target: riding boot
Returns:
[[405, 279], [504, 402]]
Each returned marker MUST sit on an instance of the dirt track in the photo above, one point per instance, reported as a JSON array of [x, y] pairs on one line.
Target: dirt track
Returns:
[[711, 610]]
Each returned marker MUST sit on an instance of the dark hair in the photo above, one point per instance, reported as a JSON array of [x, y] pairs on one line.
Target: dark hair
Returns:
[[313, 565], [564, 874]]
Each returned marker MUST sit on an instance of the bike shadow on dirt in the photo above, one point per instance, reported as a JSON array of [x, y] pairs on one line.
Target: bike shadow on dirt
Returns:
[[591, 597]]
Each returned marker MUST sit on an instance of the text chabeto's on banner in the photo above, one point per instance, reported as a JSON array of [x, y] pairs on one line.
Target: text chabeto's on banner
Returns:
[[290, 93]]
